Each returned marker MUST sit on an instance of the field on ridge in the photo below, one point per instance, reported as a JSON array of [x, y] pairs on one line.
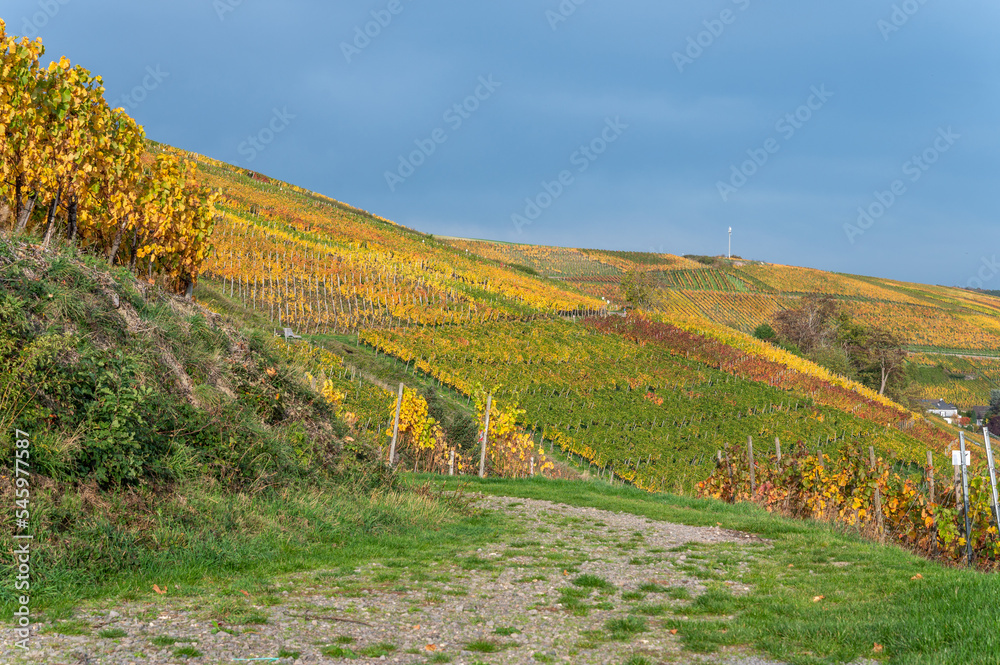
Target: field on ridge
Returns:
[[743, 294]]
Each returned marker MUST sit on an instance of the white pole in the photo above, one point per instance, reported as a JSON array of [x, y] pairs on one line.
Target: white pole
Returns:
[[730, 255], [965, 498], [993, 473], [486, 433], [395, 427]]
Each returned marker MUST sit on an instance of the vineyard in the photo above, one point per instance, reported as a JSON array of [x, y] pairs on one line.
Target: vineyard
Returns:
[[646, 398], [705, 279], [961, 380], [73, 168], [317, 265], [650, 403], [919, 509], [570, 263]]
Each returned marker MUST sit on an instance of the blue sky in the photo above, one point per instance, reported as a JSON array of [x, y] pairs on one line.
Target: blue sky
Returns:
[[625, 125]]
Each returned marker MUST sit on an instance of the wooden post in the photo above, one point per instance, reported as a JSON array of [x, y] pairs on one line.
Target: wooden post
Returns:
[[965, 498], [993, 475], [451, 464], [930, 487], [753, 475], [777, 448], [395, 427], [878, 499], [732, 483], [486, 434], [532, 467]]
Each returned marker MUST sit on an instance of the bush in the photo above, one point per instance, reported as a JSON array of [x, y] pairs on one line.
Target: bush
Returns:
[[765, 332]]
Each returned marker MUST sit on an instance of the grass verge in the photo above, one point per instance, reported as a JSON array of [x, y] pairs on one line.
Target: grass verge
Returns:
[[818, 595]]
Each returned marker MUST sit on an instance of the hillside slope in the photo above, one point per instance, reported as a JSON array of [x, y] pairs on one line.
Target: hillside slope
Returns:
[[744, 294], [477, 318]]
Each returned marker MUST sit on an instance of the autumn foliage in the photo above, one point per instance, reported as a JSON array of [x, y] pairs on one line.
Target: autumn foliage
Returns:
[[842, 489], [71, 165]]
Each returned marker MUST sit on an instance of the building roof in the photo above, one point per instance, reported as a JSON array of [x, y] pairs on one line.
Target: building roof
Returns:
[[938, 405]]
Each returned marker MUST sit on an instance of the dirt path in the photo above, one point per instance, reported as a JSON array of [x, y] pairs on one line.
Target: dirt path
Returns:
[[569, 585]]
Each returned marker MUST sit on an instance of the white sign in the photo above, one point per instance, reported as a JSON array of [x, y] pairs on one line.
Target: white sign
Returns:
[[956, 458]]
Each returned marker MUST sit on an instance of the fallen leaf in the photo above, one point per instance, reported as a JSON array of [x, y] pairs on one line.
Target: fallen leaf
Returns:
[[417, 627], [244, 593], [565, 573], [918, 576], [877, 648], [791, 565], [673, 631], [430, 647], [158, 590], [816, 599]]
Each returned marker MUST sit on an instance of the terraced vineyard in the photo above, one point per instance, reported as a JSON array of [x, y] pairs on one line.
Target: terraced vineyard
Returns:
[[744, 294], [315, 264], [651, 409], [962, 380], [650, 403]]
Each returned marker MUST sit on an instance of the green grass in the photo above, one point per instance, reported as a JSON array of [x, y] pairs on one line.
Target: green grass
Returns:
[[506, 631], [947, 617], [338, 652], [69, 628], [285, 653], [377, 650], [625, 628], [484, 646], [187, 652], [112, 633], [242, 542], [593, 582], [638, 660]]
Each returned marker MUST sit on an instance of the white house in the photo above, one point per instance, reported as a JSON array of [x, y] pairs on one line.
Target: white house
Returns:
[[942, 408]]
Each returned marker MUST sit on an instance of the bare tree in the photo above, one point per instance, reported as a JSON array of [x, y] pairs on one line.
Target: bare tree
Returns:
[[883, 353], [809, 326]]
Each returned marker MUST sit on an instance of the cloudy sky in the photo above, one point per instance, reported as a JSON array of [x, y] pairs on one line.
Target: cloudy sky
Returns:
[[850, 135]]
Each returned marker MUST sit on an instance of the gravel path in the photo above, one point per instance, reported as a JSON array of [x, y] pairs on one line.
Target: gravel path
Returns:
[[558, 590]]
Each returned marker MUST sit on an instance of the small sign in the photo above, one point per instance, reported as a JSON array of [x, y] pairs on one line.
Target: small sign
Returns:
[[956, 458]]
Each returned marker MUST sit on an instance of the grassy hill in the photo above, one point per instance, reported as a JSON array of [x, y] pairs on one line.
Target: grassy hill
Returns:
[[469, 318]]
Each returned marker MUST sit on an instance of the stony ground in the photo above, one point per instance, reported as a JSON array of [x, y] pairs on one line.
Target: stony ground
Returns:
[[570, 585]]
